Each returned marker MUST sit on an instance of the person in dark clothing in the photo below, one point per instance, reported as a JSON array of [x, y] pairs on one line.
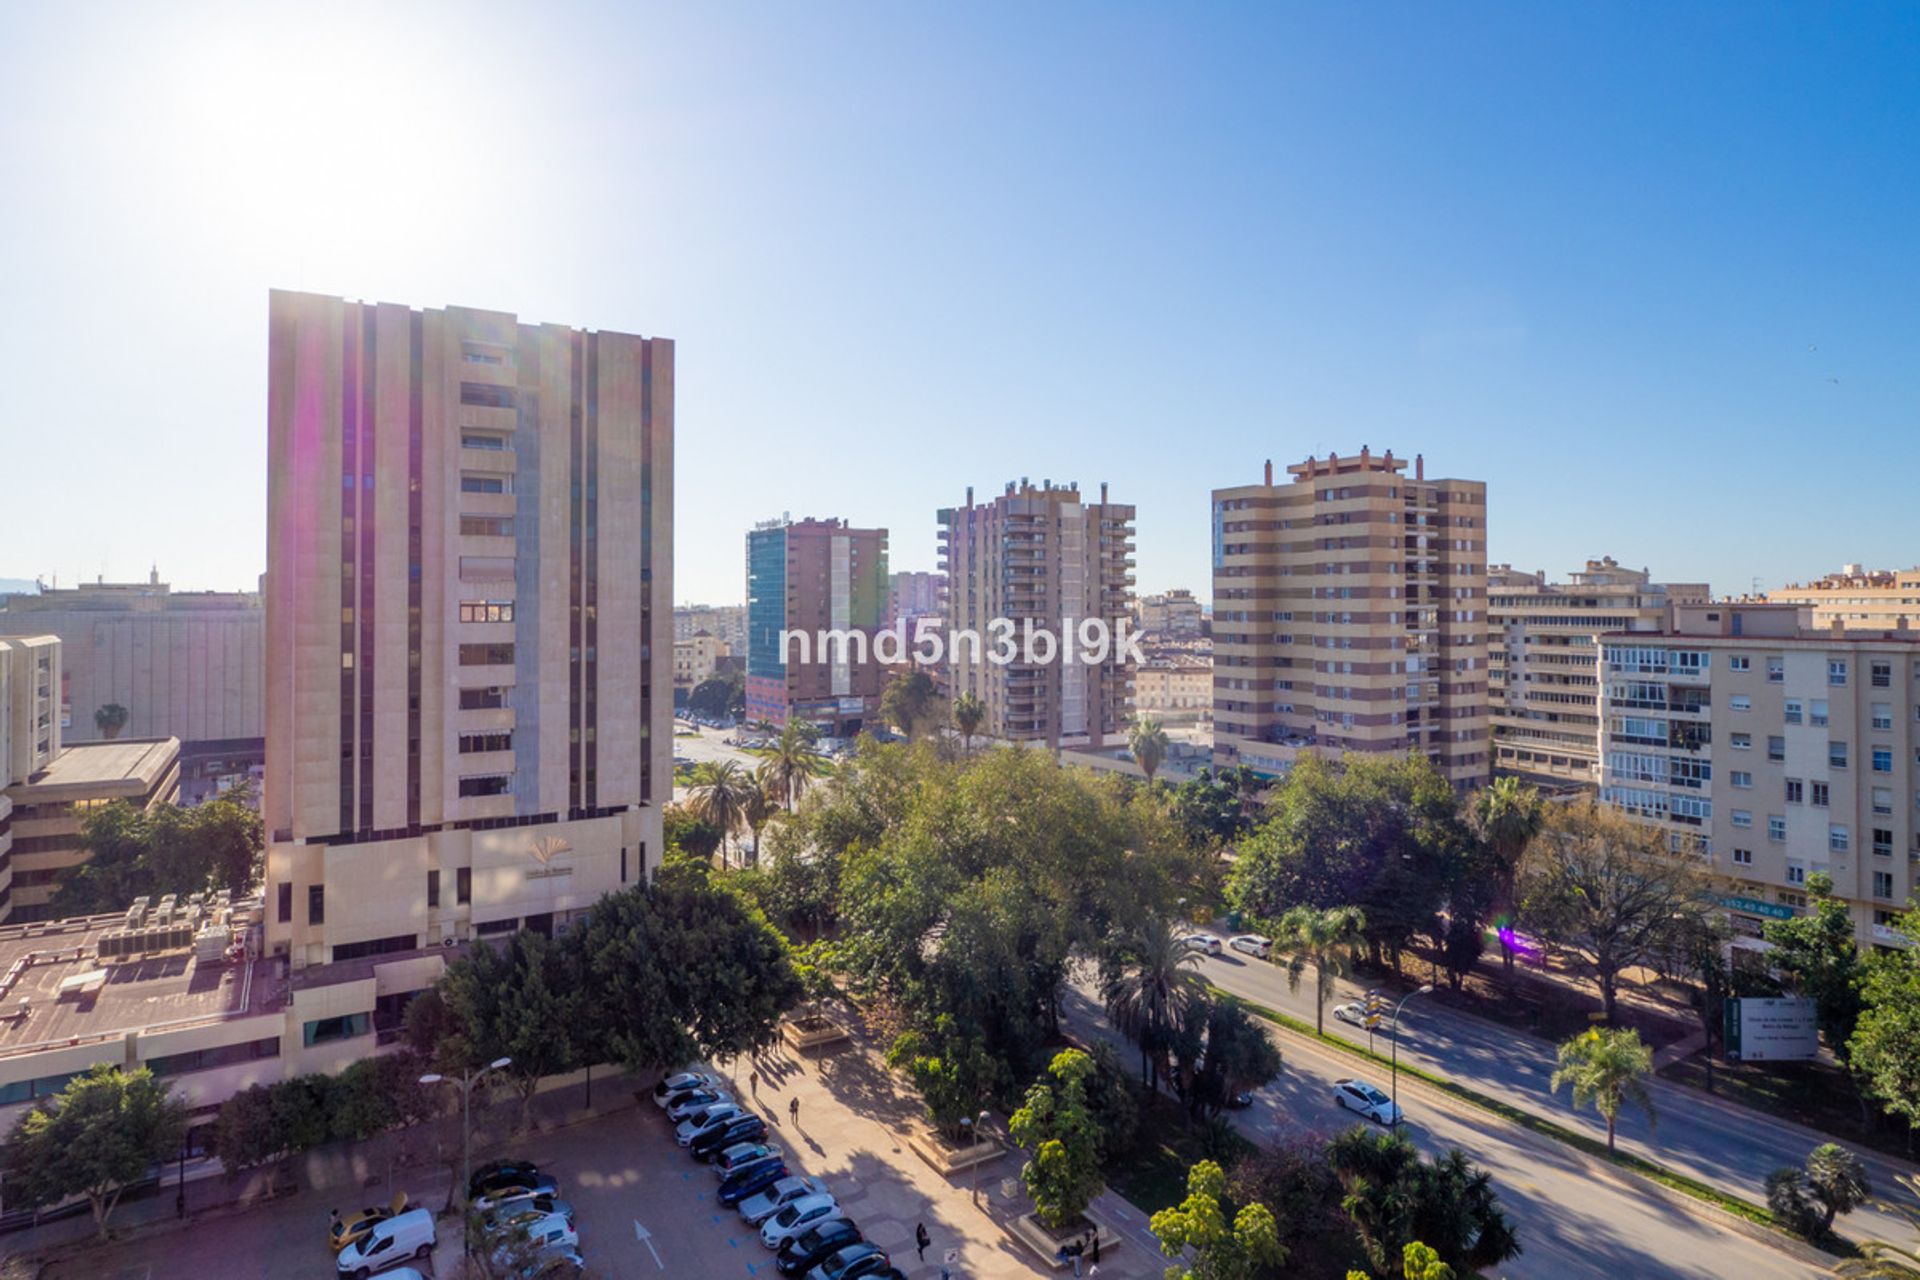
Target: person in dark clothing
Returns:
[[921, 1240]]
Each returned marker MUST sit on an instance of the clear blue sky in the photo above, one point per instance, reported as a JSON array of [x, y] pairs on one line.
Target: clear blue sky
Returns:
[[1609, 257]]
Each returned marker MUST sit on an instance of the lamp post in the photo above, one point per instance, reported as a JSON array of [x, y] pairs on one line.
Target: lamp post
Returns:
[[466, 1080], [977, 1123], [1396, 1047]]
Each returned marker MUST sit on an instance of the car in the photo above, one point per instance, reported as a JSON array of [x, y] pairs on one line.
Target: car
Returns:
[[801, 1253], [693, 1120], [515, 1214], [681, 1082], [550, 1234], [740, 1128], [1240, 1101], [850, 1263], [394, 1240], [740, 1154], [544, 1184], [349, 1228], [495, 1174], [796, 1216], [1353, 1012], [887, 1273], [756, 1209], [1252, 943], [685, 1103], [1358, 1095], [1205, 943], [752, 1180]]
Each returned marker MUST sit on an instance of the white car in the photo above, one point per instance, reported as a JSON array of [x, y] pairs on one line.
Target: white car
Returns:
[[1358, 1095], [680, 1082], [1251, 943], [1352, 1012], [756, 1209], [693, 1103], [701, 1121], [806, 1212], [543, 1235], [1202, 942]]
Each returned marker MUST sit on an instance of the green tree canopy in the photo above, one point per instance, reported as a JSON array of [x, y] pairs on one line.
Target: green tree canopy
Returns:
[[1606, 1068], [214, 845], [1816, 955], [106, 1129], [911, 703], [1210, 1244], [1058, 1125]]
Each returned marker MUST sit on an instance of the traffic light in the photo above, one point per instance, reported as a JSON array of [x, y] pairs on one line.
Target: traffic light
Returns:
[[1376, 1009]]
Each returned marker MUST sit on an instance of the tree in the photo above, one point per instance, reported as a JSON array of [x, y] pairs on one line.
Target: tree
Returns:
[[1152, 983], [1148, 742], [1701, 948], [1883, 1260], [759, 806], [1208, 808], [1607, 1068], [689, 832], [1214, 1247], [792, 761], [1295, 1180], [953, 1071], [1324, 939], [1807, 1200], [1607, 888], [1240, 1057], [525, 1001], [719, 793], [110, 720], [1393, 1198], [105, 1130], [1884, 1049], [968, 713], [909, 702], [1817, 956], [1064, 1174], [1509, 816], [719, 697], [134, 852]]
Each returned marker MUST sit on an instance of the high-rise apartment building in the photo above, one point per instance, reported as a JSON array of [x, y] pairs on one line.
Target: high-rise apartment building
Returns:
[[726, 623], [1040, 560], [1772, 750], [913, 594], [1857, 597], [29, 730], [469, 628], [826, 582], [1172, 614], [1350, 614], [1544, 677]]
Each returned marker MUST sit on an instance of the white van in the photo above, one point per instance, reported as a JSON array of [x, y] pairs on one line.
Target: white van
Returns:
[[404, 1236]]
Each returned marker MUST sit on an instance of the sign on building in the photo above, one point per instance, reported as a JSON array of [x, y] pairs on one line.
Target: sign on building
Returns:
[[1771, 1030]]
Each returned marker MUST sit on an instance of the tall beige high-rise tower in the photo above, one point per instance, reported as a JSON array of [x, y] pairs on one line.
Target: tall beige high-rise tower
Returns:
[[469, 622], [1350, 614], [1040, 559]]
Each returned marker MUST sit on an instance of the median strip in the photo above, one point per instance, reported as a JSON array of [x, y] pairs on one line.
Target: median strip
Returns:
[[1646, 1168]]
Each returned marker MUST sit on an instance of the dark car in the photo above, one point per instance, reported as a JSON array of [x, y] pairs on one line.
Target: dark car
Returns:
[[816, 1244], [498, 1174], [752, 1180], [718, 1139], [854, 1262]]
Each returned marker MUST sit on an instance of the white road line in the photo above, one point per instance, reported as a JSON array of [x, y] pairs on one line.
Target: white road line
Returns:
[[645, 1237]]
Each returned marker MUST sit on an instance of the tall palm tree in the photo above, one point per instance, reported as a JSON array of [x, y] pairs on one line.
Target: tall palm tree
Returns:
[[1509, 816], [1323, 938], [968, 712], [1148, 742], [1150, 989], [759, 806], [718, 793], [1608, 1068], [1884, 1260], [792, 762]]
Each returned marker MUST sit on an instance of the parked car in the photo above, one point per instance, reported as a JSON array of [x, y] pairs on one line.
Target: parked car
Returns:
[[682, 1082], [521, 1201], [850, 1263], [756, 1209], [691, 1119], [741, 1128], [797, 1216], [551, 1234], [803, 1252], [752, 1180], [515, 1214], [544, 1184], [741, 1154], [1358, 1095], [685, 1103], [349, 1228], [1252, 943], [1353, 1012], [1205, 943], [495, 1174], [391, 1242]]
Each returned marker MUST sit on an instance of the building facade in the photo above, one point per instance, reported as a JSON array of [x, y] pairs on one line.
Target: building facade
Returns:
[[1174, 684], [812, 577], [469, 636], [695, 659], [1855, 597], [1544, 674], [1172, 614], [29, 730], [912, 593], [1772, 750], [726, 623], [1350, 614], [1040, 560]]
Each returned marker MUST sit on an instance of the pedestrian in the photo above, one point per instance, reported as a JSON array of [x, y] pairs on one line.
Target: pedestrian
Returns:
[[922, 1240], [1095, 1233], [793, 1110], [946, 1273], [1074, 1251], [754, 1079]]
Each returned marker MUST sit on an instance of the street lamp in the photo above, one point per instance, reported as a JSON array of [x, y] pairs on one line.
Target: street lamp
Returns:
[[466, 1081], [1425, 990]]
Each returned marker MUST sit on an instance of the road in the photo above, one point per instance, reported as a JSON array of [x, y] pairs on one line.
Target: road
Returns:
[[1574, 1222], [1726, 1146], [708, 745]]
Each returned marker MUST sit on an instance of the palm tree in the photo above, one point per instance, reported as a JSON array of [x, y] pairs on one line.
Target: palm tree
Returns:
[[792, 762], [759, 806], [1884, 1261], [110, 720], [1607, 1067], [1509, 816], [1838, 1180], [1150, 990], [968, 712], [718, 793], [1148, 742], [1324, 939]]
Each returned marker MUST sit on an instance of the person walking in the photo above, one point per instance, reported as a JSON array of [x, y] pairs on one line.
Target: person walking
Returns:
[[754, 1081], [793, 1110], [921, 1240]]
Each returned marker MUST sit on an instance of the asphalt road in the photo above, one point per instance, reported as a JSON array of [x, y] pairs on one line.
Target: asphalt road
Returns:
[[1726, 1146], [1574, 1222]]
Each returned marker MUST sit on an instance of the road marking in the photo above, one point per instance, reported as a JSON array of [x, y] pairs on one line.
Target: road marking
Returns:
[[645, 1237]]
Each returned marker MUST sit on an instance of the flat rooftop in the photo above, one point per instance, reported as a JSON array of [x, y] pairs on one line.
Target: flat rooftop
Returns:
[[90, 769], [134, 996]]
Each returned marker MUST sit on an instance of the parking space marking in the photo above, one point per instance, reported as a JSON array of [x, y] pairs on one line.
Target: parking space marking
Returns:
[[645, 1237]]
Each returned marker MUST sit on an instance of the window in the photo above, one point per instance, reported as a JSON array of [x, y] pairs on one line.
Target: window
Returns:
[[486, 526], [1776, 670], [1883, 800], [433, 888], [1742, 742], [463, 885], [501, 740], [1819, 800], [486, 784], [1818, 716], [475, 354], [1743, 857], [1742, 817], [174, 1064], [316, 904], [1796, 791], [284, 903], [1740, 778], [1776, 747], [484, 484], [486, 395], [1796, 874], [1837, 755], [1883, 885], [482, 440], [1882, 715], [1836, 671], [1883, 842], [486, 655], [1883, 759], [1739, 662], [1839, 839], [326, 1030], [1740, 703], [486, 611], [486, 699], [1776, 828], [1792, 712], [1880, 675]]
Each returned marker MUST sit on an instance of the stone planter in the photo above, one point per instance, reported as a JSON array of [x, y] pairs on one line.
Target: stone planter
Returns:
[[813, 1032], [1045, 1243], [948, 1160]]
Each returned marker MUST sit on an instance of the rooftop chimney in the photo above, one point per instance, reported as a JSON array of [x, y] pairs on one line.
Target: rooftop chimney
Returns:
[[1103, 493], [1419, 466], [1269, 473]]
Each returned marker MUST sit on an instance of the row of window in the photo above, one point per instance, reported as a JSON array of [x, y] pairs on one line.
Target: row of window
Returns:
[[486, 611], [486, 526], [498, 740]]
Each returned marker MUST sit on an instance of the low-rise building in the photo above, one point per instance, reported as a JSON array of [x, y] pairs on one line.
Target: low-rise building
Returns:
[[1857, 597], [1172, 614], [695, 660], [1174, 684], [50, 805]]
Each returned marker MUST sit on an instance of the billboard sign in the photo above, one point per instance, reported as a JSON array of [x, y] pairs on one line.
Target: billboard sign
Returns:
[[1771, 1030]]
